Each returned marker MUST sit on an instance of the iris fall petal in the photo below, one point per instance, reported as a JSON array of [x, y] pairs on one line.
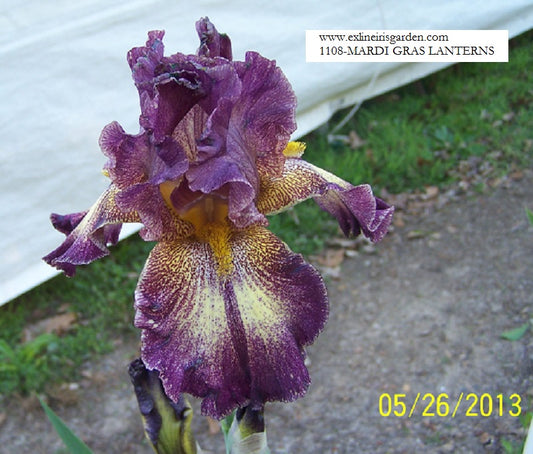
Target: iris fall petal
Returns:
[[90, 234], [227, 319]]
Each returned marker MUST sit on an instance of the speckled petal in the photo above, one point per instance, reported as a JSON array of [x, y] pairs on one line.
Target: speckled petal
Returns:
[[159, 221], [212, 43], [135, 159], [244, 132], [66, 223], [168, 86], [264, 116], [88, 236], [355, 207], [226, 319], [138, 168]]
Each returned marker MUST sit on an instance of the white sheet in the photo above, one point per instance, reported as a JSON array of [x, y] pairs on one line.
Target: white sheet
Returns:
[[63, 76]]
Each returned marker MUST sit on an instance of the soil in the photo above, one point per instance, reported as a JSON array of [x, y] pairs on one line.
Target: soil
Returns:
[[420, 314]]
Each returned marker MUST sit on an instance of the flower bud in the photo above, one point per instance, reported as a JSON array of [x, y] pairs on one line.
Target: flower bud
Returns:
[[167, 424], [247, 433]]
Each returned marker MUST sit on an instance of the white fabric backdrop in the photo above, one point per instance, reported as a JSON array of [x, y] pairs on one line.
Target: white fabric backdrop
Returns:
[[63, 76]]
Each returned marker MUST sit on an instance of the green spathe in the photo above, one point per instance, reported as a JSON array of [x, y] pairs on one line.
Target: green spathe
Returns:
[[167, 424], [247, 433]]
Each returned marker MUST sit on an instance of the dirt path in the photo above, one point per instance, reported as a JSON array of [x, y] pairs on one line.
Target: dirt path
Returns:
[[420, 313]]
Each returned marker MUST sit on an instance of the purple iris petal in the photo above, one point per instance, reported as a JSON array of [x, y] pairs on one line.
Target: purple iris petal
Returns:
[[68, 222], [263, 118], [356, 209], [168, 88], [244, 132], [231, 334], [88, 234], [212, 43], [204, 116]]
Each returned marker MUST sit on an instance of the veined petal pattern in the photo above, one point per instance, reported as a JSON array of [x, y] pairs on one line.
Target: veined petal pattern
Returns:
[[233, 337]]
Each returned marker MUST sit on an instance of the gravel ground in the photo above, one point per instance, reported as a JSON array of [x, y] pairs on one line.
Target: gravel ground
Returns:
[[420, 314]]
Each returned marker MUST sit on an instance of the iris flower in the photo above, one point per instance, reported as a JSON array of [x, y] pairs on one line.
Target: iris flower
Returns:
[[225, 307]]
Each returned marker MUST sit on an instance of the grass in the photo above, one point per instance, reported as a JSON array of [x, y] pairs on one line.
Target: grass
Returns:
[[415, 136], [514, 446], [101, 298]]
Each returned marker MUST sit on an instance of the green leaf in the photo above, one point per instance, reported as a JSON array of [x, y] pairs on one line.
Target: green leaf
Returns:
[[72, 442], [6, 351], [529, 215], [31, 349], [507, 446], [516, 333]]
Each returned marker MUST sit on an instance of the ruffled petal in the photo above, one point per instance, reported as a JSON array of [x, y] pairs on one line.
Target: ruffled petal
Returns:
[[128, 157], [263, 118], [244, 132], [139, 168], [355, 207], [66, 223], [228, 168], [168, 86], [89, 235], [135, 159], [226, 319], [212, 43], [160, 223]]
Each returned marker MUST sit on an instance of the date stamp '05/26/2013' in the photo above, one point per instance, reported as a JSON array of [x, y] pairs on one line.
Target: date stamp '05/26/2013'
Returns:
[[442, 405]]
